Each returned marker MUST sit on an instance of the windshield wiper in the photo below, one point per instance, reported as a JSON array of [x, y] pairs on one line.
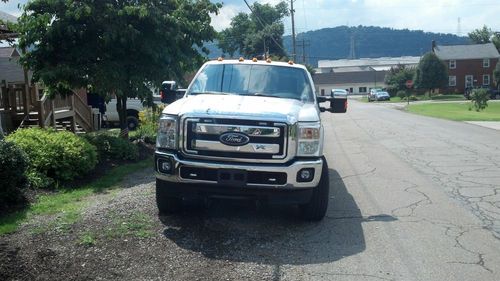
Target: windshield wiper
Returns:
[[209, 93], [259, 95]]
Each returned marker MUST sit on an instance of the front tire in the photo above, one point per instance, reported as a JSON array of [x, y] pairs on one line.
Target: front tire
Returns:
[[166, 203], [315, 209], [132, 123]]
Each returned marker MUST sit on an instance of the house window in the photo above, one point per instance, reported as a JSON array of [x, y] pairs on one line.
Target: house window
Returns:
[[453, 64], [452, 81], [322, 92], [351, 90], [469, 81], [486, 63], [362, 89], [486, 79]]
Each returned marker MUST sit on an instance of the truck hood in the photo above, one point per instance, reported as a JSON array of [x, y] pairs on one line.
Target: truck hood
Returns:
[[272, 109]]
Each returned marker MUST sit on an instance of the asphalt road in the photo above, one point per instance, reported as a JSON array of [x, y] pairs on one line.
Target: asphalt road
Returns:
[[432, 186], [412, 198]]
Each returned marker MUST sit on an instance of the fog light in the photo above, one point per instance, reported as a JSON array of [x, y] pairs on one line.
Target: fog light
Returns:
[[165, 166], [305, 175]]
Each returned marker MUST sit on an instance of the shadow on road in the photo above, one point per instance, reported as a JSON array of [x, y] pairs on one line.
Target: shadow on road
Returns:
[[275, 235]]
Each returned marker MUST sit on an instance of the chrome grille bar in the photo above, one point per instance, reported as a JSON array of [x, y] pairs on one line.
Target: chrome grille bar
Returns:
[[217, 129], [264, 148]]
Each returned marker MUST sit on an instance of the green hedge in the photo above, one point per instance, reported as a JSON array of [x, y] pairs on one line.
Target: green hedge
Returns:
[[54, 156], [113, 147], [13, 165]]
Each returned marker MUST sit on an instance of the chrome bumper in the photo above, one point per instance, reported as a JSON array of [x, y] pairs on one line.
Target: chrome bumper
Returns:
[[291, 171]]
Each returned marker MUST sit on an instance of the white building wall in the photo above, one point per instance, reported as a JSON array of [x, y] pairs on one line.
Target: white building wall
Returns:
[[357, 88]]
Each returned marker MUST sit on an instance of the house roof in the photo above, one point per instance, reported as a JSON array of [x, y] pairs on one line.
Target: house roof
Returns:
[[350, 77], [463, 52], [364, 62], [7, 17], [10, 70], [8, 52]]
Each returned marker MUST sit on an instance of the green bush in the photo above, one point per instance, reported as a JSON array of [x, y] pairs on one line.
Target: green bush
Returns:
[[54, 156], [148, 126], [401, 94], [412, 98], [113, 147], [479, 99], [13, 165]]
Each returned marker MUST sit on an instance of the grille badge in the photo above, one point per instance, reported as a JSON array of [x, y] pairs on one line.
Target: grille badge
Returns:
[[234, 139]]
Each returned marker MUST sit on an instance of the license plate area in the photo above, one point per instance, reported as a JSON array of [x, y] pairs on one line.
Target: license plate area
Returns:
[[232, 177]]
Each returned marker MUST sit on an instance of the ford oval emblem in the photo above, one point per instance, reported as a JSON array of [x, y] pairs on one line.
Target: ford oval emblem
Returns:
[[234, 139]]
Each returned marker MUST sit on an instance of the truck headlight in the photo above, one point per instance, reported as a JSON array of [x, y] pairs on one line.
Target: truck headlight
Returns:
[[167, 132], [309, 139]]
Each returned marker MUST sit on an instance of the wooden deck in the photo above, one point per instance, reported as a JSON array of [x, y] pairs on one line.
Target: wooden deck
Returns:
[[21, 110]]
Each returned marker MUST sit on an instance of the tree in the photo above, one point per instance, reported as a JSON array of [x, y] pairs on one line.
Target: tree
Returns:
[[431, 73], [256, 33], [397, 77], [119, 47], [485, 35], [496, 75]]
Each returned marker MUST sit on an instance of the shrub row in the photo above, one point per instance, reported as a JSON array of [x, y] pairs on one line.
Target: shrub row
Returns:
[[13, 165], [43, 158], [54, 156], [111, 147]]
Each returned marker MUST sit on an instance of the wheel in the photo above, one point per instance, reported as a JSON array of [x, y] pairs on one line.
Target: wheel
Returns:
[[315, 209], [167, 204], [132, 123]]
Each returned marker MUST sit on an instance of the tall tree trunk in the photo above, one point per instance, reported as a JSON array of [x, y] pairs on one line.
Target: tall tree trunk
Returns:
[[121, 108]]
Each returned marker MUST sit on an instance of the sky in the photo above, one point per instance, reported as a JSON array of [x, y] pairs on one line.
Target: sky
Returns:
[[428, 15]]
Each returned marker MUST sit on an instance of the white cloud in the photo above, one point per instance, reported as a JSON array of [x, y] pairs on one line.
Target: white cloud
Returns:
[[223, 19], [427, 15]]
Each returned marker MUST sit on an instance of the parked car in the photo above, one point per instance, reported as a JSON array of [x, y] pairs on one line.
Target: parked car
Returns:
[[371, 94], [494, 93], [381, 96], [339, 92]]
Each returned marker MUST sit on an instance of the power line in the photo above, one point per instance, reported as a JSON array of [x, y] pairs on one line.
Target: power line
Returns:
[[261, 21]]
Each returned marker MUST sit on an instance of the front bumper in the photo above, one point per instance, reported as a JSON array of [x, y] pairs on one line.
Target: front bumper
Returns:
[[253, 171]]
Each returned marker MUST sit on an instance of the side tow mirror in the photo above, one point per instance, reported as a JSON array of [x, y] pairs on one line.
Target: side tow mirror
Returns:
[[337, 104]]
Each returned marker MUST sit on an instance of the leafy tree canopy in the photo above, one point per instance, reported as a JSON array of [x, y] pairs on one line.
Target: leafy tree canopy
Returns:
[[431, 73], [397, 77], [113, 46], [249, 33], [485, 35]]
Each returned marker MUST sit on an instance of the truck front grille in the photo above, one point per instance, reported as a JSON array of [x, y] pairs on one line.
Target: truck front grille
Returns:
[[267, 140]]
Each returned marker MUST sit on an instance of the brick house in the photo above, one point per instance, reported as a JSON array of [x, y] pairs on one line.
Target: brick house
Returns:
[[468, 65]]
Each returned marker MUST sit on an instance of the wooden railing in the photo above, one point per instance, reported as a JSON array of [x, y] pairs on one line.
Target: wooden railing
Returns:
[[83, 112], [46, 112]]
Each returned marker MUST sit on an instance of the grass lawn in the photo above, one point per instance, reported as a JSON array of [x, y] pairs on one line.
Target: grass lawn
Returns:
[[70, 202], [457, 111]]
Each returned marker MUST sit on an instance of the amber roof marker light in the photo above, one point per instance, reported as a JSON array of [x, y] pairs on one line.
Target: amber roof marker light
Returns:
[[254, 59], [220, 59], [241, 59]]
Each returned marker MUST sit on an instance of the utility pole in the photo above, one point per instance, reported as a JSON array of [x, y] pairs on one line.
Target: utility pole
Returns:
[[305, 43], [292, 11]]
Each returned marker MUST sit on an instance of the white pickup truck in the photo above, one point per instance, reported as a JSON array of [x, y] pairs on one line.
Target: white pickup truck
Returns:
[[246, 128], [167, 94], [134, 106]]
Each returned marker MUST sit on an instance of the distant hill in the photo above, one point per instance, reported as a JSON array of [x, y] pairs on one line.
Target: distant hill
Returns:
[[369, 42]]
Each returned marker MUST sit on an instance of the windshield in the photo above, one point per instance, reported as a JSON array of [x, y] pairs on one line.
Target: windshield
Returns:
[[259, 80]]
